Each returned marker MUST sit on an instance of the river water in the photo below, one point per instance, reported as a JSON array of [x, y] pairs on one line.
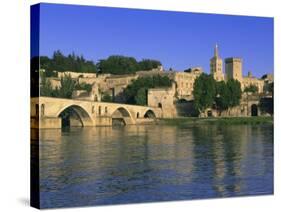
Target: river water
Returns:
[[132, 164]]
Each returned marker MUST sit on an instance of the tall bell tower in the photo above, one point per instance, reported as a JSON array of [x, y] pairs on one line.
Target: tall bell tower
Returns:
[[216, 65]]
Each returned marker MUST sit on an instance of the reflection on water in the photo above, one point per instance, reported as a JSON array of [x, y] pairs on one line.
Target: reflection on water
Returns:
[[93, 166]]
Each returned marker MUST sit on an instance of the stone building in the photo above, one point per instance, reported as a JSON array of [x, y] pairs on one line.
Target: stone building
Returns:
[[249, 106], [156, 71], [268, 83], [90, 81], [216, 66], [249, 103], [233, 69], [112, 85], [93, 95], [163, 98], [115, 84], [75, 75], [268, 78], [251, 80], [185, 82], [54, 81]]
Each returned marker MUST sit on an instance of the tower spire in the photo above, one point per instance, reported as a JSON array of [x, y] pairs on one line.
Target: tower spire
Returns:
[[216, 65], [216, 50]]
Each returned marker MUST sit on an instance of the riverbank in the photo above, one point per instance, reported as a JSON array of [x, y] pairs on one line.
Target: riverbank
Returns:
[[220, 120]]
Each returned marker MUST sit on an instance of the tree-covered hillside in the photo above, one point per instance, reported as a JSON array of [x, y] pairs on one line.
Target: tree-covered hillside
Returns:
[[115, 64], [61, 63]]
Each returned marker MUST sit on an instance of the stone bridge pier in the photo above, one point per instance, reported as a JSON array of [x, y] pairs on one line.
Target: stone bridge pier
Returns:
[[48, 112]]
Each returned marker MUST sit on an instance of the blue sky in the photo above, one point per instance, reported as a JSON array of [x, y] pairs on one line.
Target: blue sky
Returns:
[[178, 39]]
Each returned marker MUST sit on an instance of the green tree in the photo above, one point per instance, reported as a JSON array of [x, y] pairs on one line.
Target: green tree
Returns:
[[45, 63], [106, 98], [61, 63], [204, 92], [67, 87], [222, 96], [208, 93], [135, 92], [141, 97], [271, 87], [148, 64], [83, 86], [235, 92], [251, 88], [117, 64], [227, 94], [46, 87]]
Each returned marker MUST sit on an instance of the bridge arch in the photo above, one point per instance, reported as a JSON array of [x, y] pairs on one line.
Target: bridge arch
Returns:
[[122, 115], [149, 114], [75, 115], [182, 100]]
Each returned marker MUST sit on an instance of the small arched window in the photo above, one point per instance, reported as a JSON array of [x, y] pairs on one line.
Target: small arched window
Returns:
[[138, 114], [99, 110], [93, 109], [36, 109], [42, 109]]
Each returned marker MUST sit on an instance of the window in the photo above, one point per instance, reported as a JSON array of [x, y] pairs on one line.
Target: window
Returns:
[[42, 109], [93, 109], [36, 109]]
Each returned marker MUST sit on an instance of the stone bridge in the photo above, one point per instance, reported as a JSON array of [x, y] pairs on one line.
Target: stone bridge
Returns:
[[48, 112]]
